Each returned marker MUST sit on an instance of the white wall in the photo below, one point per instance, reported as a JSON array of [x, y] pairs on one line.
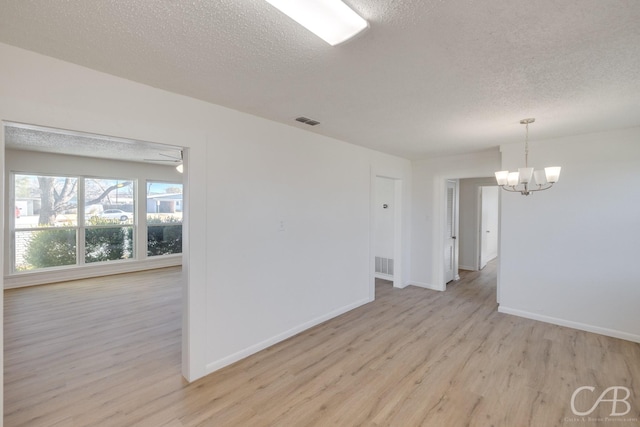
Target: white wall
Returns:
[[569, 255], [469, 221], [428, 204], [250, 283], [48, 163]]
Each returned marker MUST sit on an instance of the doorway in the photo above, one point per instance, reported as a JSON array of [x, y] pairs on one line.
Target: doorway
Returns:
[[103, 154], [465, 221], [478, 222], [450, 232], [387, 229], [488, 232]]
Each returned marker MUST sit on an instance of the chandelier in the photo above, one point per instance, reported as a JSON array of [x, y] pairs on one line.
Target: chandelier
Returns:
[[521, 181]]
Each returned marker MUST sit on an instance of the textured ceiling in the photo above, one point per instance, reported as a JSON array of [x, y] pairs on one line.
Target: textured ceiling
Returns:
[[427, 78], [35, 138]]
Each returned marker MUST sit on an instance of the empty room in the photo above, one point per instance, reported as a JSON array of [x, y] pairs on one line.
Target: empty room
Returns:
[[270, 213]]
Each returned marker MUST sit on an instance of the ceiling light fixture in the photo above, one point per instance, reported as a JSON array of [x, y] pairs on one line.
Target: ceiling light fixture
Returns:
[[520, 182], [331, 20]]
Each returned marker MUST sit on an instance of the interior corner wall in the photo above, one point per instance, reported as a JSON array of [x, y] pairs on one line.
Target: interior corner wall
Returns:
[[277, 219], [568, 255], [428, 210], [468, 232]]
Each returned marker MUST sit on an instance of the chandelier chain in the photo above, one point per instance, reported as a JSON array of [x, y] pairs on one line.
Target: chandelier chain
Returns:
[[526, 146]]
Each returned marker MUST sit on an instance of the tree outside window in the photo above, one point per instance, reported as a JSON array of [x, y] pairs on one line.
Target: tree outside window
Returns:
[[109, 217], [47, 221]]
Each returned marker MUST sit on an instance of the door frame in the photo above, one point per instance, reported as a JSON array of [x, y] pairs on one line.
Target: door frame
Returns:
[[455, 224], [439, 211]]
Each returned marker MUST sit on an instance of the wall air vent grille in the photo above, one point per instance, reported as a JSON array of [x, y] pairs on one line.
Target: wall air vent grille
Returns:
[[384, 266], [307, 121]]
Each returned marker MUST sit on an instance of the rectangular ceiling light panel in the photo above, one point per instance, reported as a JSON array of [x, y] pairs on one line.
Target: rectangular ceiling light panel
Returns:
[[331, 20]]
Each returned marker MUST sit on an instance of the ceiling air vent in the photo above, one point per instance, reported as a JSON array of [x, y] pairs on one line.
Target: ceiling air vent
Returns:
[[307, 121]]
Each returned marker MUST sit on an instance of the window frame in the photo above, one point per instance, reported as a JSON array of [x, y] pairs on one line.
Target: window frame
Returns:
[[146, 217], [12, 222], [80, 227], [133, 224]]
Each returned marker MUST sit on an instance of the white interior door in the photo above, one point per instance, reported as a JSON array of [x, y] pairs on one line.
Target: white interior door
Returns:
[[450, 233], [488, 225]]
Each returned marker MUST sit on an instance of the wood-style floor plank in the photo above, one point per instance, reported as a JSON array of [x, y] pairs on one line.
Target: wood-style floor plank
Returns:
[[106, 352]]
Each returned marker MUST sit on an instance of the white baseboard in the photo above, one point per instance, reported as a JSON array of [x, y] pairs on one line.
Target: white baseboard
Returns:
[[465, 267], [225, 361], [571, 324], [426, 286], [40, 277], [383, 276]]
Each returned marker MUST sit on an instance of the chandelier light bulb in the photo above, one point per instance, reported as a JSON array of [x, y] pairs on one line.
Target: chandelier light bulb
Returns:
[[502, 177], [552, 173]]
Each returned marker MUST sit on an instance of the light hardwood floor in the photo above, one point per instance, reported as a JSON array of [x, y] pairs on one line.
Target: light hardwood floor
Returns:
[[106, 352]]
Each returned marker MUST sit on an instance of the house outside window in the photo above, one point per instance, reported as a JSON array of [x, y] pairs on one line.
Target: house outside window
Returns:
[[164, 218], [109, 206]]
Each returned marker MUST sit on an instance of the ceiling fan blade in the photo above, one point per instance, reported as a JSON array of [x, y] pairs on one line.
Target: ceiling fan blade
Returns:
[[172, 158]]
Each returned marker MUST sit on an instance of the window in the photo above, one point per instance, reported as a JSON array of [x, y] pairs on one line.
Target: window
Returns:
[[48, 228], [46, 221], [164, 218], [109, 214]]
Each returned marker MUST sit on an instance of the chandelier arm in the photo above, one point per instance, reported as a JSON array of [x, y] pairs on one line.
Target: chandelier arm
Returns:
[[525, 190], [511, 188], [540, 187]]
